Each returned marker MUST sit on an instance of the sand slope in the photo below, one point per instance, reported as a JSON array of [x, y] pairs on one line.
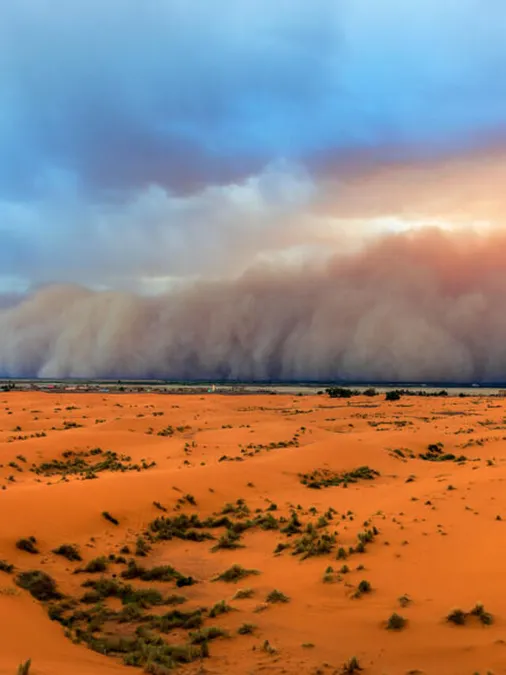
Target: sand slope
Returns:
[[441, 524]]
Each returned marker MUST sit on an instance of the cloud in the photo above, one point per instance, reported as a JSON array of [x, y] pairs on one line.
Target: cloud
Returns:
[[216, 232], [147, 146], [185, 94], [415, 306]]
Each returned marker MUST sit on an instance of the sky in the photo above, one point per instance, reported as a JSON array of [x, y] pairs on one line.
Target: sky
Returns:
[[148, 144]]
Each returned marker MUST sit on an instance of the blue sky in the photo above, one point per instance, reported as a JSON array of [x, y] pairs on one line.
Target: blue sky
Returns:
[[168, 139]]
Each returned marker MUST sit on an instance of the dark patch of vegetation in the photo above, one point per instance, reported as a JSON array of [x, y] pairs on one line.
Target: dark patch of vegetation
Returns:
[[181, 526], [340, 392], [206, 634], [24, 668], [244, 594], [326, 478], [396, 622], [294, 525], [68, 551], [39, 584], [111, 588], [235, 574], [28, 545], [394, 395], [485, 617], [89, 463], [363, 588], [312, 544], [159, 573], [111, 519], [277, 596], [219, 608], [228, 541], [435, 454], [6, 567], [96, 565], [459, 617], [351, 666], [142, 547]]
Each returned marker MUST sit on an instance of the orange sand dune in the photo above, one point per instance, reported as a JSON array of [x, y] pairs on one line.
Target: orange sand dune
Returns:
[[440, 526]]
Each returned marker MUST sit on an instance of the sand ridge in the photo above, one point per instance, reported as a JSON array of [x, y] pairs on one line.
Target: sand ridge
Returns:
[[438, 525]]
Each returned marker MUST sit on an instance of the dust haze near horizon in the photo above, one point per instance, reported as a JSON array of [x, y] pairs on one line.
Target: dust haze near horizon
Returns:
[[420, 305]]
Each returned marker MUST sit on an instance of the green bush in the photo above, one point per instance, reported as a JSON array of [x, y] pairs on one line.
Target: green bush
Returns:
[[235, 574], [277, 596], [219, 608], [39, 584], [24, 668], [68, 551], [28, 545], [457, 616], [244, 594], [396, 622]]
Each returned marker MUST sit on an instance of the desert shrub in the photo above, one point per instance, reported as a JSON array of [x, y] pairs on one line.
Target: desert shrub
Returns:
[[351, 666], [485, 617], [28, 545], [185, 581], [110, 518], [457, 616], [162, 573], [340, 392], [41, 586], [68, 551], [235, 573], [96, 565], [244, 594], [142, 547], [364, 587], [229, 540], [206, 634], [219, 608], [404, 601], [110, 588], [177, 619], [266, 522], [294, 526], [181, 526], [327, 478], [311, 545], [341, 553], [281, 547], [246, 629], [268, 648], [6, 567], [396, 622], [277, 596], [24, 668], [392, 395]]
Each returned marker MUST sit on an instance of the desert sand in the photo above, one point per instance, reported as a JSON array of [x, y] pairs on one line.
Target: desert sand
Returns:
[[428, 536]]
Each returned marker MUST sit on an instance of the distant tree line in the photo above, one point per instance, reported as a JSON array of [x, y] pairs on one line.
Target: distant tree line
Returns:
[[391, 395]]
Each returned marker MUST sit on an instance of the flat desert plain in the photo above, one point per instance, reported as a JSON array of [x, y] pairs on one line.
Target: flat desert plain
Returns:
[[252, 534]]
